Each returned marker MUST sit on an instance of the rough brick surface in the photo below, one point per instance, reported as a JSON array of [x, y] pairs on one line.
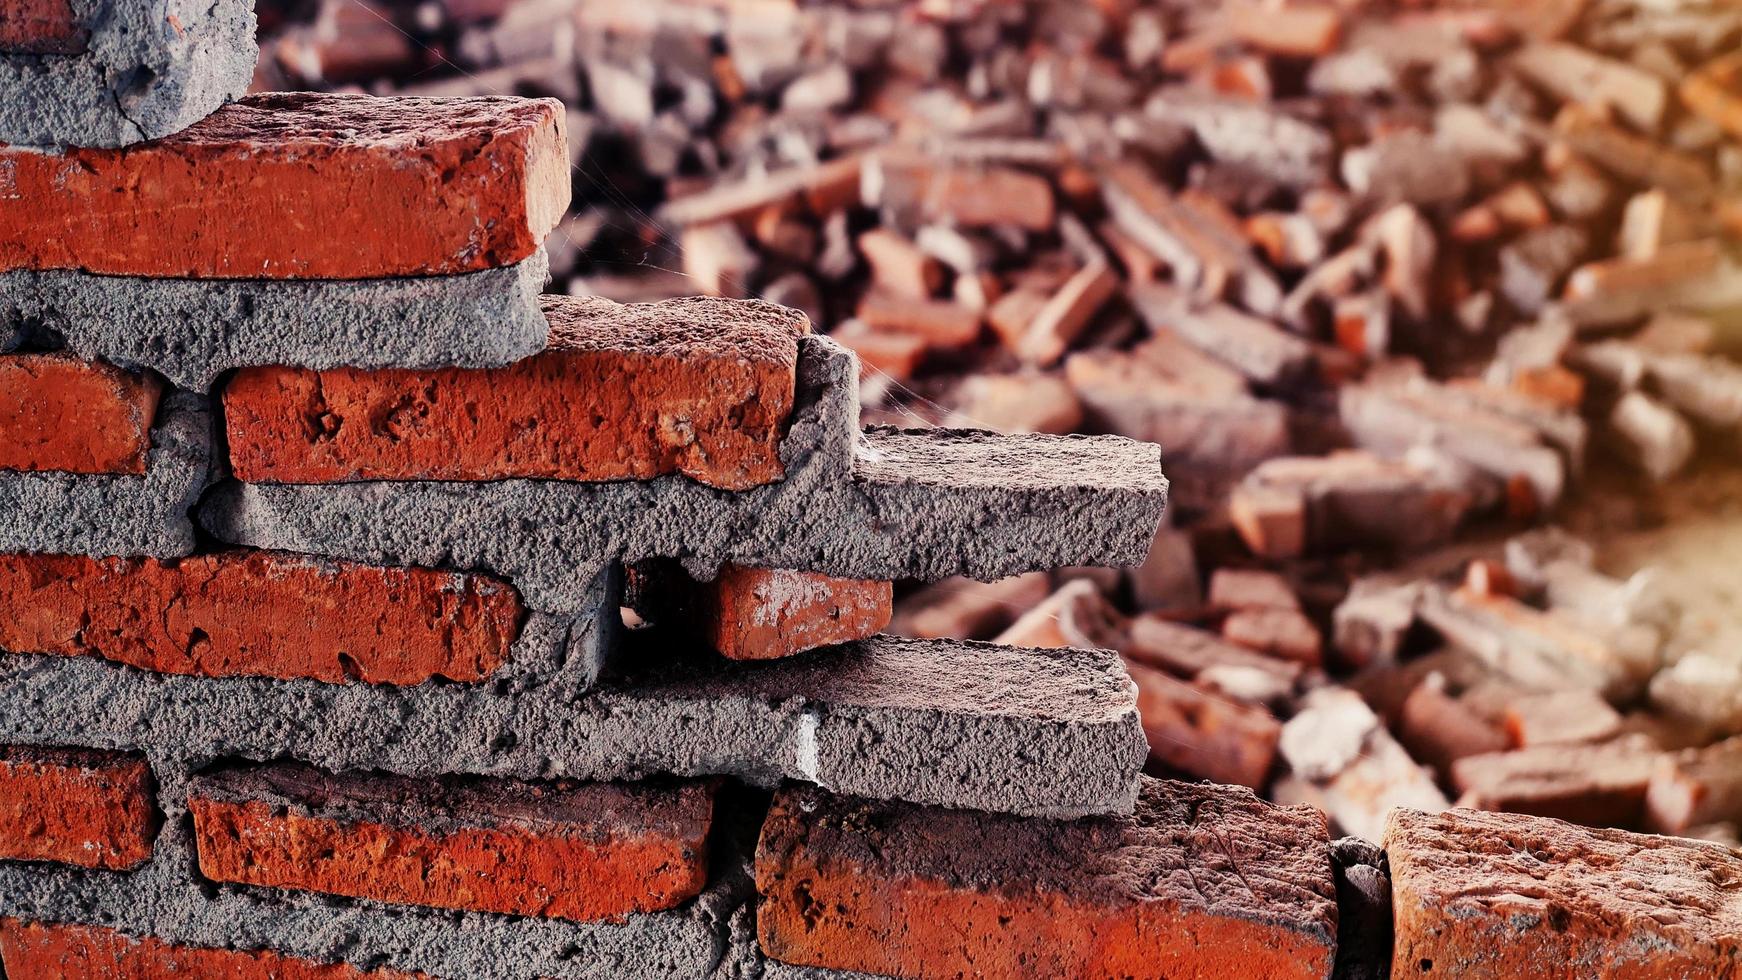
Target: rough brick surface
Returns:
[[1496, 895], [697, 386], [192, 330], [74, 806], [62, 415], [261, 614], [585, 851], [41, 27], [114, 72], [269, 188], [762, 614], [1202, 882], [35, 951]]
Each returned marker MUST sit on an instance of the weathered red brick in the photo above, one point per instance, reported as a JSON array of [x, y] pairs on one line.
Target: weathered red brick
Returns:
[[75, 806], [1197, 731], [580, 851], [1600, 785], [261, 614], [39, 951], [1202, 882], [1498, 895], [762, 614], [41, 27], [698, 386], [274, 187], [58, 414]]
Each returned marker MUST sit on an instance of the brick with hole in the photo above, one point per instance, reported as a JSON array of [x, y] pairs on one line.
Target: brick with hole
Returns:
[[44, 951], [1201, 882], [75, 806], [62, 415], [1479, 894], [579, 851], [698, 386], [262, 614], [270, 188], [41, 27]]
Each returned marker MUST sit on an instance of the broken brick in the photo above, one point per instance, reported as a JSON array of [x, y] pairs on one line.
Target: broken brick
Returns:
[[762, 614]]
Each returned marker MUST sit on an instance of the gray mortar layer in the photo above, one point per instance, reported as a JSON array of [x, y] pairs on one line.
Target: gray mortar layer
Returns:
[[192, 330], [103, 516], [152, 68], [887, 504], [169, 899]]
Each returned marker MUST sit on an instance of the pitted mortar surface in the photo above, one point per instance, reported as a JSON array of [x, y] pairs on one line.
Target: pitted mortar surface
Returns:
[[885, 505], [104, 516], [692, 716], [151, 68], [192, 330]]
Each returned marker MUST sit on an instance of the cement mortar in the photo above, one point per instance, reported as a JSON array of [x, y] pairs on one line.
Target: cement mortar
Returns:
[[152, 68]]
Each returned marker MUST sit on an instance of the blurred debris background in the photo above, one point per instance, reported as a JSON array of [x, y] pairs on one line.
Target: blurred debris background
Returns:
[[1431, 307]]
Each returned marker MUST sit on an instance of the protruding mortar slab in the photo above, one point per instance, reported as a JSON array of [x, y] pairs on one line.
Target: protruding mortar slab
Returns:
[[107, 73], [192, 330], [103, 516], [300, 185], [1202, 881], [897, 505], [974, 725]]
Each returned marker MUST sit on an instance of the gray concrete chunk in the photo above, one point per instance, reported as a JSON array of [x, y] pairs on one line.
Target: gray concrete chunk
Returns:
[[149, 69], [192, 330], [103, 516]]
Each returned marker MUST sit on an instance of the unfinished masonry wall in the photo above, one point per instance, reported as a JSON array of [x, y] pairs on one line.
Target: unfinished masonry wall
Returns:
[[317, 528]]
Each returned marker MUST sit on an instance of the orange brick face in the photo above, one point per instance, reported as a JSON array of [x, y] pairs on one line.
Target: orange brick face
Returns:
[[761, 614], [41, 27], [75, 806], [58, 414], [699, 387], [1204, 882], [266, 188], [261, 614], [1479, 894], [584, 852], [37, 951]]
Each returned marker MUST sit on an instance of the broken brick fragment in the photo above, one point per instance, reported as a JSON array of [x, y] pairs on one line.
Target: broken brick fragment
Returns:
[[1500, 895], [579, 851], [763, 614], [270, 187], [75, 806], [1196, 730], [59, 414], [41, 27], [1202, 881], [701, 387], [61, 951], [261, 614]]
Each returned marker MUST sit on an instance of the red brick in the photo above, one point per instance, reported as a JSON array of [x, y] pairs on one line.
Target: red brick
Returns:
[[580, 851], [62, 415], [1284, 633], [37, 951], [1600, 785], [75, 806], [1197, 731], [701, 387], [274, 187], [762, 614], [41, 27], [261, 614], [1202, 882], [1497, 895]]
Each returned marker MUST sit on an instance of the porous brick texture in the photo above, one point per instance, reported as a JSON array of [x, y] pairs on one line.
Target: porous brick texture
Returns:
[[261, 614], [1202, 882], [75, 806], [274, 187], [41, 27], [1480, 894], [58, 414], [701, 387], [40, 951], [578, 851], [762, 614]]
